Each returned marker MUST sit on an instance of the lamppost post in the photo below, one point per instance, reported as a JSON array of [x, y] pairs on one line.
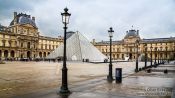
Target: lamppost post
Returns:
[[161, 61], [64, 87], [151, 54], [155, 63], [166, 53], [174, 51], [137, 45], [158, 56], [110, 77], [145, 55]]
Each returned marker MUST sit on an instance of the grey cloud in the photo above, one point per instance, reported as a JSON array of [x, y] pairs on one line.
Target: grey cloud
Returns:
[[154, 18]]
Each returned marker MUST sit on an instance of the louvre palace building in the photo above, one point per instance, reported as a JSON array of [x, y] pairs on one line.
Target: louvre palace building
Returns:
[[21, 39], [132, 44]]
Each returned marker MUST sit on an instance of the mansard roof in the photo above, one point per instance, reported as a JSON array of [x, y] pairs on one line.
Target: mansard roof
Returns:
[[132, 33], [159, 39], [23, 19], [152, 40]]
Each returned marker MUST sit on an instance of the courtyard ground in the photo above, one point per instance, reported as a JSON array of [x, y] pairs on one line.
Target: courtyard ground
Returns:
[[86, 80]]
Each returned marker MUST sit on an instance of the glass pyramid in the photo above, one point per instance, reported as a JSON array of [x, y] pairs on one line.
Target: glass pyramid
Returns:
[[78, 48]]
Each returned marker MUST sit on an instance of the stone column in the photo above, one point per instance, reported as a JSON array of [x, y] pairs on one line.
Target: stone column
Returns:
[[15, 54], [9, 54], [2, 55]]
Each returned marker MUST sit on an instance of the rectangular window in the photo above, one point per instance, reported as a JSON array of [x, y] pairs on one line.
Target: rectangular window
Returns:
[[46, 46], [22, 45], [41, 46], [3, 43]]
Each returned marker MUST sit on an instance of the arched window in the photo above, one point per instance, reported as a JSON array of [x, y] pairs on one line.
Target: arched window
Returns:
[[28, 45]]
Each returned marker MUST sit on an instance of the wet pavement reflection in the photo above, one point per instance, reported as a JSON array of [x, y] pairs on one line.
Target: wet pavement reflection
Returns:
[[86, 80]]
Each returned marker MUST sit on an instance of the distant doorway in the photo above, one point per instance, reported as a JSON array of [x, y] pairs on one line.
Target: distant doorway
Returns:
[[28, 54], [6, 53], [12, 54], [44, 54], [130, 56], [40, 54], [21, 55]]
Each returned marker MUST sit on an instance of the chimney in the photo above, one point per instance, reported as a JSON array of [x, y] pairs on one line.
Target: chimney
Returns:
[[33, 18], [15, 18], [93, 41], [126, 32], [15, 14], [137, 32]]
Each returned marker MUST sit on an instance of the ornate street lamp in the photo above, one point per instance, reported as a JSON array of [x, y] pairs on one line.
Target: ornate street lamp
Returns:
[[64, 87], [110, 77], [166, 53], [155, 63], [161, 60], [174, 51], [151, 55], [137, 45], [145, 55], [158, 56]]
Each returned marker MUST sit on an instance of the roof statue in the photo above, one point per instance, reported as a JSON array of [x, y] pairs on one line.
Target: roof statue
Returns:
[[78, 48]]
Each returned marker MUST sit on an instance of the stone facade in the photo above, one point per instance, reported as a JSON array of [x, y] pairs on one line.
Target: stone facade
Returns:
[[164, 48], [21, 39]]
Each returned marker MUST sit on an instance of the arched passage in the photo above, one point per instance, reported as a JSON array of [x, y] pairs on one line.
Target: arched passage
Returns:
[[28, 54], [6, 53], [48, 53], [44, 54], [40, 54], [12, 54], [21, 55], [0, 53]]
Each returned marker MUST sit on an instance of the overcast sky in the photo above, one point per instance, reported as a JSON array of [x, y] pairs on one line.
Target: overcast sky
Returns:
[[154, 18]]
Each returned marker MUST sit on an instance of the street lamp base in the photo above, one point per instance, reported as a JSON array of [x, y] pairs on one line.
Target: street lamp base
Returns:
[[136, 70], [109, 78], [64, 91]]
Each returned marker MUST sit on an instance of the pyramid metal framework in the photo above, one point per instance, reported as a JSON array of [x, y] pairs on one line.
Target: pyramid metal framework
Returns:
[[78, 48]]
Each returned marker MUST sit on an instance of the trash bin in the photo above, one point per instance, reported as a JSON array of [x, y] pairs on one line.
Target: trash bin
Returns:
[[118, 75]]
